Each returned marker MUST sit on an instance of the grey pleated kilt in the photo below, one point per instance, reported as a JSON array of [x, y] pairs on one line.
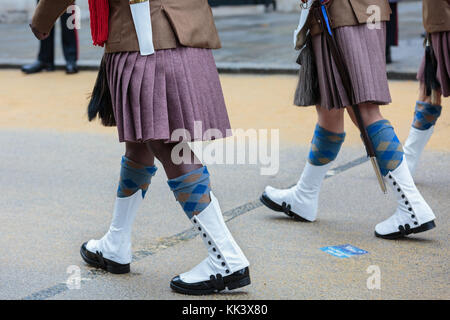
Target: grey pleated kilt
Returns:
[[441, 47], [173, 90], [364, 53]]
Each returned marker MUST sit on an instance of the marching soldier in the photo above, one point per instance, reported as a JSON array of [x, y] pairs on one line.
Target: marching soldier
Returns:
[[434, 77], [159, 76], [344, 29], [46, 56]]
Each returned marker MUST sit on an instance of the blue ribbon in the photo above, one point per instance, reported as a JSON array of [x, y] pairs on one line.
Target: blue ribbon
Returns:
[[325, 15]]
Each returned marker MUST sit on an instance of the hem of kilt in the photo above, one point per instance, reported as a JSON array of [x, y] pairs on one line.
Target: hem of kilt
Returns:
[[380, 103], [225, 135], [444, 93]]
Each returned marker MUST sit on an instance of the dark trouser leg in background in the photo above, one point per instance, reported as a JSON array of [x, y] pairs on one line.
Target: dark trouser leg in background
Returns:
[[226, 266], [391, 32], [69, 43], [69, 38], [47, 50]]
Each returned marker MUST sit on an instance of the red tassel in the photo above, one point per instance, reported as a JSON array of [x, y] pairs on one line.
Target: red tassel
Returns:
[[99, 10]]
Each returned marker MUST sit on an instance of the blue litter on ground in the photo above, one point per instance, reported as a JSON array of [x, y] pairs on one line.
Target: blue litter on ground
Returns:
[[344, 251]]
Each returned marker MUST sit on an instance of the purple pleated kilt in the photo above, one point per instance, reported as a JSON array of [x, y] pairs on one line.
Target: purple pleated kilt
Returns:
[[364, 53], [174, 90], [441, 47]]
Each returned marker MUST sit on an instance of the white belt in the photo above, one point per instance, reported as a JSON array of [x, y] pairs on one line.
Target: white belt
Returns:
[[140, 10]]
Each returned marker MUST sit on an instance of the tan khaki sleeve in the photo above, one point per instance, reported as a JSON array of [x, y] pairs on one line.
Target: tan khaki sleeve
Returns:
[[360, 8], [47, 12]]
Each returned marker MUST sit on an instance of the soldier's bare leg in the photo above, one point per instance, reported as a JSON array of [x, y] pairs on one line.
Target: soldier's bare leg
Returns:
[[331, 120]]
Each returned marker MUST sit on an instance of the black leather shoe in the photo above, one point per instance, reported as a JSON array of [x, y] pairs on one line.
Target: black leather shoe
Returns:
[[71, 68], [216, 283], [96, 260], [37, 66], [285, 208]]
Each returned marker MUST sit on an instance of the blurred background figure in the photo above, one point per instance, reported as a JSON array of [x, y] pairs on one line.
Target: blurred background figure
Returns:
[[46, 57], [434, 78], [392, 30]]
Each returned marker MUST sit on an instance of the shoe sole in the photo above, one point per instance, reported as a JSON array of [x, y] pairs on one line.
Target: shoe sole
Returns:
[[276, 207], [45, 69], [109, 264], [398, 235], [230, 286]]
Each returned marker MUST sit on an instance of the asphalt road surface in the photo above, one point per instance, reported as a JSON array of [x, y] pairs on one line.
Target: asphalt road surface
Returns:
[[58, 179]]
